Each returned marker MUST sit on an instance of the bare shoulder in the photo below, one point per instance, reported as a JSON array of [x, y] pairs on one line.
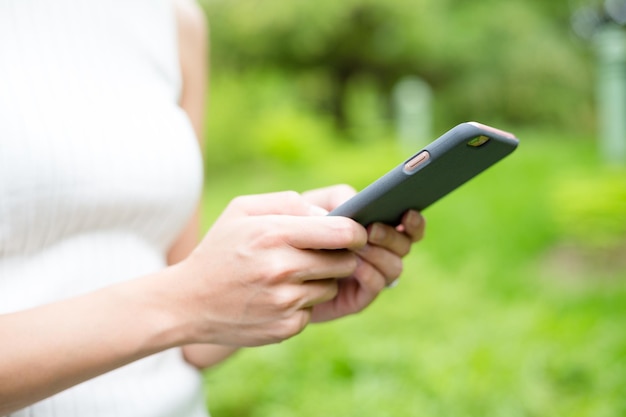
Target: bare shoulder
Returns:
[[193, 53], [192, 22]]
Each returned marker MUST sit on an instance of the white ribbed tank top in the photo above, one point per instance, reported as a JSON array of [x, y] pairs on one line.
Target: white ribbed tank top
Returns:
[[99, 172]]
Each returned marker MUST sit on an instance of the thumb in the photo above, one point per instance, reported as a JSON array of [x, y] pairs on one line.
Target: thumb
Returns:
[[329, 197], [284, 202]]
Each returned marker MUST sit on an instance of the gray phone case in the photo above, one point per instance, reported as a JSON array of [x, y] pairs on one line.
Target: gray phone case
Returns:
[[425, 178]]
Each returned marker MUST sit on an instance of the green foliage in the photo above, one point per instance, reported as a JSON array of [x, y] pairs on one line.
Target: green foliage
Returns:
[[477, 326], [590, 208], [255, 121], [518, 67], [512, 62]]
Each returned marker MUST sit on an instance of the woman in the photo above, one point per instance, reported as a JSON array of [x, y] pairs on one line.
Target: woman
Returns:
[[109, 304]]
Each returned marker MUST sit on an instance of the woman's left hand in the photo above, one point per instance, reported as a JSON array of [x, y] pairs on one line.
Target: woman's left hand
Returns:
[[380, 260]]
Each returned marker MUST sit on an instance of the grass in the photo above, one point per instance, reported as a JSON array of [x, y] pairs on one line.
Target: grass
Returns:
[[484, 322]]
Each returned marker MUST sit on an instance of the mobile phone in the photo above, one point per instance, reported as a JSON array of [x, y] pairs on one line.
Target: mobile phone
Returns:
[[439, 168]]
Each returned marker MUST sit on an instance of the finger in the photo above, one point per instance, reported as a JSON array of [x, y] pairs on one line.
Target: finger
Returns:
[[304, 266], [284, 202], [386, 263], [413, 225], [293, 297], [329, 197], [319, 291], [389, 238], [326, 232], [291, 326], [360, 290], [352, 297]]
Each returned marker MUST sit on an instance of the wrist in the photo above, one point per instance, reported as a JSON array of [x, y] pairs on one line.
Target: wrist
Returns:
[[155, 309]]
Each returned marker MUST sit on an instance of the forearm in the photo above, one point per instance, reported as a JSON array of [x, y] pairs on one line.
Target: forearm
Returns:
[[204, 356], [48, 349]]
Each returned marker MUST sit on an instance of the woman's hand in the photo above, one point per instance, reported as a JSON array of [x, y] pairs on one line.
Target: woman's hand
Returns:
[[380, 261], [273, 262], [261, 268]]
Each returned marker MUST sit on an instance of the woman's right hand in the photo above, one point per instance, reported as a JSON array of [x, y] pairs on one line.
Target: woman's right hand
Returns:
[[258, 271]]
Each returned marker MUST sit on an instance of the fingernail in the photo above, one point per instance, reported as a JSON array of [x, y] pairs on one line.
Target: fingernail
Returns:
[[377, 233], [414, 219], [393, 284]]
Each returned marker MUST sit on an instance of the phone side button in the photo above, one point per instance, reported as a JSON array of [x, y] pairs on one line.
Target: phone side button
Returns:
[[417, 161]]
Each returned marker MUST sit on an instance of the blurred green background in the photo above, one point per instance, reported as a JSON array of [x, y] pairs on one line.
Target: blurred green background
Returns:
[[515, 302]]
